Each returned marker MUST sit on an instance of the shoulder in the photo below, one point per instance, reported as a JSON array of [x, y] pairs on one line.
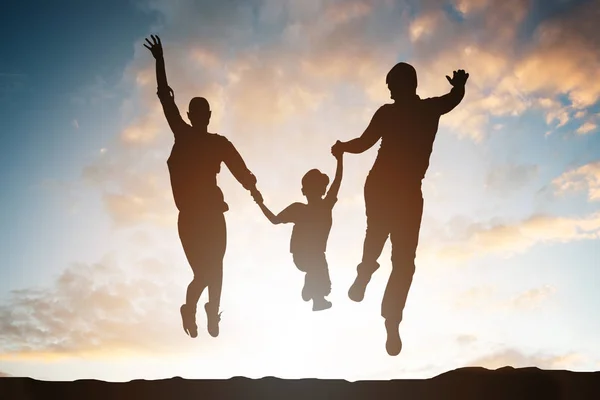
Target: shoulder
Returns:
[[182, 131], [219, 141], [383, 112], [384, 109]]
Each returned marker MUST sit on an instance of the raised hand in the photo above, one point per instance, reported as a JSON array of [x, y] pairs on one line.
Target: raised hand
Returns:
[[337, 149], [459, 78], [156, 47]]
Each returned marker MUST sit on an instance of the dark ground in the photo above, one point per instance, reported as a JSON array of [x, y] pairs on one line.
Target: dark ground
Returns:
[[464, 384]]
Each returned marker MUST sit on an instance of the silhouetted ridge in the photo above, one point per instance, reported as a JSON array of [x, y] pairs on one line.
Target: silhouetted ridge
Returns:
[[463, 384]]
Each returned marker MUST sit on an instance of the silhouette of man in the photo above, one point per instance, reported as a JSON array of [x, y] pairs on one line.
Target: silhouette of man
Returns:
[[312, 224], [194, 163], [393, 197]]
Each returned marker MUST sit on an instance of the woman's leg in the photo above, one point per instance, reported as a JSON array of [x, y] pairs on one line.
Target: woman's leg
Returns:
[[216, 247]]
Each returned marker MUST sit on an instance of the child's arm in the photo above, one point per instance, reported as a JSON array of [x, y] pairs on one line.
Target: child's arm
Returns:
[[337, 181], [446, 103], [286, 216], [270, 216]]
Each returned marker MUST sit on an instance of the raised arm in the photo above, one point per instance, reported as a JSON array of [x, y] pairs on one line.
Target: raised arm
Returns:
[[164, 92], [446, 103], [334, 189], [369, 137]]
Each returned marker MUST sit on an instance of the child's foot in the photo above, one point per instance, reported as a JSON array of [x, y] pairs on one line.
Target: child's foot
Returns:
[[188, 318], [213, 318], [321, 304], [393, 344], [305, 294]]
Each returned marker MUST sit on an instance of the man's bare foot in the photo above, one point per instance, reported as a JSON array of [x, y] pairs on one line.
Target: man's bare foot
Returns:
[[393, 344], [213, 317], [357, 290]]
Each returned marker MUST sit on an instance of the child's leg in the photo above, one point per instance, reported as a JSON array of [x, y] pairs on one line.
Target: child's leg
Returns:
[[320, 282], [301, 263]]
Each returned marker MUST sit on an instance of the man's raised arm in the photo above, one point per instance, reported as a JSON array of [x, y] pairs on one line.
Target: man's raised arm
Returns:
[[369, 137], [446, 103], [164, 92]]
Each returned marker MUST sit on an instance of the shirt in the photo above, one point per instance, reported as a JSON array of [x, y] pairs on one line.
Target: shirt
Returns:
[[312, 224], [407, 132], [195, 161]]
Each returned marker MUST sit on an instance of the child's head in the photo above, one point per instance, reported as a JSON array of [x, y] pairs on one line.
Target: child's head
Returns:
[[402, 81], [199, 112], [314, 184]]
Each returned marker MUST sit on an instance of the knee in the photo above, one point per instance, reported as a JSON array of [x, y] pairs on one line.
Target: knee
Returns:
[[404, 263]]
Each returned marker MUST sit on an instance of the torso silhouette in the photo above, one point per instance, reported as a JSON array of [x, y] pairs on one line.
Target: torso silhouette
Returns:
[[194, 163], [407, 132], [312, 224]]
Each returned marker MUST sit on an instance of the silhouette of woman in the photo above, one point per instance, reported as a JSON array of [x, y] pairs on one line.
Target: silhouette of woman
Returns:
[[393, 197], [194, 163]]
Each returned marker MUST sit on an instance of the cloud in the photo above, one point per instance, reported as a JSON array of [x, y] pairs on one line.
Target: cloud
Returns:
[[517, 359], [490, 298], [479, 296], [94, 309], [532, 298], [586, 128], [510, 177], [4, 375], [585, 177], [466, 340], [75, 124], [508, 239]]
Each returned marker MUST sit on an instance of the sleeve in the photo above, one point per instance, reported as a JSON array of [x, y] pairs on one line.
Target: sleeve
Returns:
[[291, 213], [444, 104], [176, 123], [236, 165]]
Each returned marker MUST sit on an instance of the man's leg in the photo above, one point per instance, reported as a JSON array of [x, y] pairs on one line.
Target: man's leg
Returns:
[[377, 233], [405, 239], [188, 234], [215, 248]]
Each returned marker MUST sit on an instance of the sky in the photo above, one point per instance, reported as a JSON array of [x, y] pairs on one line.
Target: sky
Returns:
[[92, 272]]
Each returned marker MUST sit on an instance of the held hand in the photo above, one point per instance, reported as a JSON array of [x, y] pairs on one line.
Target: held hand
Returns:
[[256, 196], [337, 149], [156, 47], [459, 78]]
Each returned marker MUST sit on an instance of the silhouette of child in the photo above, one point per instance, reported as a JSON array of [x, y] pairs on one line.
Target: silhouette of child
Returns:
[[312, 224]]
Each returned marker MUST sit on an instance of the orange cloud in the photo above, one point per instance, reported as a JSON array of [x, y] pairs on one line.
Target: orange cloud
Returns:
[[509, 239], [532, 298], [93, 309], [584, 177], [518, 359]]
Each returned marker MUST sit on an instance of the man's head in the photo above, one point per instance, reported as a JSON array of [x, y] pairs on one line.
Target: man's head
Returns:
[[314, 184], [402, 81], [199, 112]]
